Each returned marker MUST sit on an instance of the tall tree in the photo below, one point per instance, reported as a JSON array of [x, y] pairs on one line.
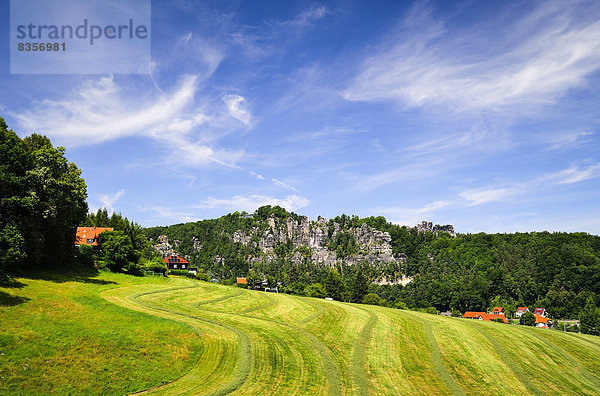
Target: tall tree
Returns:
[[62, 197], [589, 318]]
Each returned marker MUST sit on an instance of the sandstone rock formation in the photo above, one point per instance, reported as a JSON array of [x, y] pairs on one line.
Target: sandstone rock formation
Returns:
[[428, 226]]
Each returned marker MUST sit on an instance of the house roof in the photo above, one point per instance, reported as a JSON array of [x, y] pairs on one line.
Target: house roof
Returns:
[[498, 309], [541, 319], [489, 317], [539, 311], [173, 257], [242, 281], [473, 315], [522, 309], [85, 233]]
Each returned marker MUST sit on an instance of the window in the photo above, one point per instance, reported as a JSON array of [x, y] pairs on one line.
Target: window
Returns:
[[183, 266], [174, 265], [90, 240]]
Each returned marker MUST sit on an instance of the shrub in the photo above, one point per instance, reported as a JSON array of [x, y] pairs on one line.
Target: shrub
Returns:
[[85, 255], [456, 313], [374, 299], [203, 276], [527, 319], [154, 264], [316, 290], [179, 272], [399, 304]]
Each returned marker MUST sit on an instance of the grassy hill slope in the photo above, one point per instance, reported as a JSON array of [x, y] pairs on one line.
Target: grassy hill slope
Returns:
[[263, 343]]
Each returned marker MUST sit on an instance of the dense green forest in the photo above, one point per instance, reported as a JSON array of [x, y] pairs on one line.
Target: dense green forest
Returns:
[[42, 201], [558, 271]]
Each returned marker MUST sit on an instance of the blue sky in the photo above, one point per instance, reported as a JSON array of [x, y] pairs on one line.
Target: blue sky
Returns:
[[484, 115]]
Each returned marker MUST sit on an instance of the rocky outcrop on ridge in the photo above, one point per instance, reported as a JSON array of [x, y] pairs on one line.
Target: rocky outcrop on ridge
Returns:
[[428, 226]]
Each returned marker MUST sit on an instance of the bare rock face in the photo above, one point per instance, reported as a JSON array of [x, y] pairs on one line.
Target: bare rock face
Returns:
[[374, 245], [196, 244], [428, 226], [164, 247]]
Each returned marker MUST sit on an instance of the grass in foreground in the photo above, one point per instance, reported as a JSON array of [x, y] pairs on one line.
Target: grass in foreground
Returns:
[[259, 343], [59, 336]]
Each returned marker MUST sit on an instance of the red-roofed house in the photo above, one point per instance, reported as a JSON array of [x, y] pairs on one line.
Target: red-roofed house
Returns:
[[176, 262], [473, 315], [498, 310], [542, 322], [242, 281], [540, 311], [521, 311], [490, 317], [89, 235]]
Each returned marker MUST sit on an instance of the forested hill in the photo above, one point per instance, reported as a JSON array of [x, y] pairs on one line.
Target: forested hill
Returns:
[[348, 257]]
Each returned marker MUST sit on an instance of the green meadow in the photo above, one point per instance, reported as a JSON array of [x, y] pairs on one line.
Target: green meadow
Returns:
[[116, 334]]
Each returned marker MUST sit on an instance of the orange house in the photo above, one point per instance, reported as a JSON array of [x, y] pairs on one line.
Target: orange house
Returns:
[[490, 317], [176, 262], [89, 235], [474, 315], [242, 281]]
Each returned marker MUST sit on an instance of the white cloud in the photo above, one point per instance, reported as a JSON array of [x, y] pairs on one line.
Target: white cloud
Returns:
[[171, 214], [574, 174], [480, 196], [108, 201], [412, 216], [251, 202], [568, 140], [236, 107], [307, 17], [555, 49], [285, 185], [102, 110]]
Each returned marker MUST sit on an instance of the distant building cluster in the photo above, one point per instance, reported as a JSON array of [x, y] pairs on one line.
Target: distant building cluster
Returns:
[[498, 314]]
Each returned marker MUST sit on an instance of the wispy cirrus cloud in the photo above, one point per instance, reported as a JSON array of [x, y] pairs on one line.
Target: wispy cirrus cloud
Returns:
[[427, 64], [480, 196], [306, 17], [574, 174], [412, 216], [251, 202], [103, 110]]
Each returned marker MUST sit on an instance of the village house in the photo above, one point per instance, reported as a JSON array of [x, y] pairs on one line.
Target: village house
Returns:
[[498, 311], [542, 322], [241, 281], [89, 235], [492, 317], [473, 315], [521, 311], [176, 262], [489, 317], [540, 311]]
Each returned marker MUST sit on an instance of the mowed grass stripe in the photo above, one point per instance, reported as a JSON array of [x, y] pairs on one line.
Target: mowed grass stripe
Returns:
[[436, 356], [398, 358], [273, 343], [189, 383], [591, 378], [514, 366], [544, 366], [201, 378], [357, 366], [220, 299]]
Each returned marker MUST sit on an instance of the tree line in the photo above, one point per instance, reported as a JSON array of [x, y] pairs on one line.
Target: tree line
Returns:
[[469, 272]]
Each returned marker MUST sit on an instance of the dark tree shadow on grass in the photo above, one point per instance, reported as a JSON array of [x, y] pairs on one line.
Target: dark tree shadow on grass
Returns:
[[7, 300], [73, 273]]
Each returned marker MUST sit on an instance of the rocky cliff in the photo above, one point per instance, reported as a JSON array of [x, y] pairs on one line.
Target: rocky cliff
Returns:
[[299, 240]]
